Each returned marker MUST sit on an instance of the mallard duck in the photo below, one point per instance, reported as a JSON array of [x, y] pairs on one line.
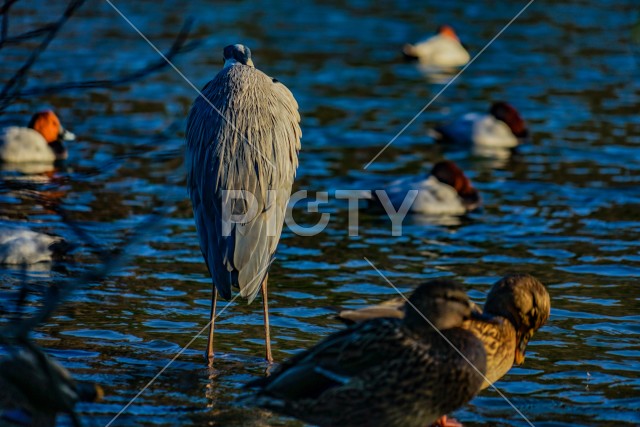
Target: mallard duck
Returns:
[[518, 304], [384, 372], [442, 50], [501, 127], [34, 389], [42, 141], [446, 191]]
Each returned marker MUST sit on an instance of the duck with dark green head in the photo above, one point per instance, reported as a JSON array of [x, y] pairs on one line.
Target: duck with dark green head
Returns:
[[386, 371]]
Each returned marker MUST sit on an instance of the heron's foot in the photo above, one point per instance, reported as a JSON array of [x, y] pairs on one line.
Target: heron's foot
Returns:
[[270, 368], [445, 421], [208, 358], [267, 353]]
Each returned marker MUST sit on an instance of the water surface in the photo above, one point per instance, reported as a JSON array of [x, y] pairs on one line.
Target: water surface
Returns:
[[564, 208]]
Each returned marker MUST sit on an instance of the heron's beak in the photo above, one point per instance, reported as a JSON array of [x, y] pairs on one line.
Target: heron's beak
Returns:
[[65, 135]]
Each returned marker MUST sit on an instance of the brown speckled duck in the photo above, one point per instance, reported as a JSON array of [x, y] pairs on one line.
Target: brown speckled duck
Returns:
[[384, 371], [518, 304]]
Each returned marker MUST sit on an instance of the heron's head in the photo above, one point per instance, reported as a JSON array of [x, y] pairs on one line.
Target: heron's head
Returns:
[[237, 54]]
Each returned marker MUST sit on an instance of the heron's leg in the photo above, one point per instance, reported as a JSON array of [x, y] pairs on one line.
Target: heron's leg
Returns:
[[212, 317], [267, 334]]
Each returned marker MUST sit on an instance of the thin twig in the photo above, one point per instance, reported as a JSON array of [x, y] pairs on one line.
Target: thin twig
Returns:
[[26, 35]]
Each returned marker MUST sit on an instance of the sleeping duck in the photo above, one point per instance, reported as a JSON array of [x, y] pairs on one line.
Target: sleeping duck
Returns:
[[445, 191], [21, 246], [42, 141]]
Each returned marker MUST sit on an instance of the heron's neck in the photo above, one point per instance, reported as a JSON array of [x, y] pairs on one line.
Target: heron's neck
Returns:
[[232, 61]]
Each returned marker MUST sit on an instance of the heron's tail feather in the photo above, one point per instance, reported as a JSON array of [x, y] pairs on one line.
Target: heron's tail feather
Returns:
[[253, 288]]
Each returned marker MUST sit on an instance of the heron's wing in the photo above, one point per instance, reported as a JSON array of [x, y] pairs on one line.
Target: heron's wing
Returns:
[[335, 361], [242, 146]]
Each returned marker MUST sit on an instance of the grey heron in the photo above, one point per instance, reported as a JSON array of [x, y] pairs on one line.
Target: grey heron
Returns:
[[243, 135]]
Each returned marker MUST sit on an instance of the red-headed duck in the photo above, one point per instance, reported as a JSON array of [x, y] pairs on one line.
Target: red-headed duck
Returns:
[[42, 141], [446, 191], [440, 50], [501, 127]]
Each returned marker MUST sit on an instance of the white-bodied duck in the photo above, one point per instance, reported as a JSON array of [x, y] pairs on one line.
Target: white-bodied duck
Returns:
[[446, 191], [501, 127], [442, 50], [21, 246], [42, 141]]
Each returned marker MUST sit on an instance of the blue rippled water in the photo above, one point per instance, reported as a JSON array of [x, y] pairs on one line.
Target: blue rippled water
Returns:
[[564, 207]]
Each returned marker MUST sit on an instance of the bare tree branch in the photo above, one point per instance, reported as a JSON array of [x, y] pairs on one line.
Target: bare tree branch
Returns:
[[6, 6], [4, 29], [19, 330], [13, 86], [179, 46]]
